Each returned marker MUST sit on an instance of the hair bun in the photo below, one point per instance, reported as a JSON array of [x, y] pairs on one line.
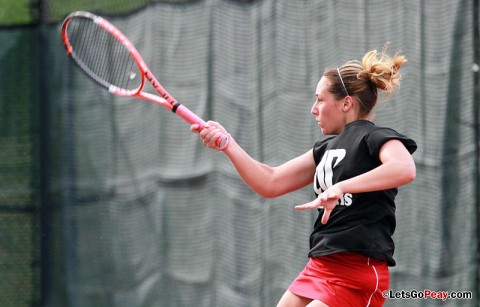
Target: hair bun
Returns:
[[382, 70]]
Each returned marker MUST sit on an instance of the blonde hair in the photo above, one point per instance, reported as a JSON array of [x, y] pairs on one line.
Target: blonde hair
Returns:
[[361, 80]]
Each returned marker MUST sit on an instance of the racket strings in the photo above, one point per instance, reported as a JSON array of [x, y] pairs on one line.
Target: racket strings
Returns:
[[102, 56]]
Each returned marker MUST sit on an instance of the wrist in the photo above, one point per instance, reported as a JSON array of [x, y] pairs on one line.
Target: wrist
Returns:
[[340, 187]]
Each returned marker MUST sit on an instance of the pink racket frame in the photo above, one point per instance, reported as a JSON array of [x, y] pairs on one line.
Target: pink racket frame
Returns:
[[165, 99]]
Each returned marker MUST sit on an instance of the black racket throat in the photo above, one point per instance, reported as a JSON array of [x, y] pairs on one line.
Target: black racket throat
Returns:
[[175, 107]]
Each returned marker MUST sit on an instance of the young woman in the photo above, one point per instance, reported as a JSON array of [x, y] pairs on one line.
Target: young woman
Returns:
[[355, 174]]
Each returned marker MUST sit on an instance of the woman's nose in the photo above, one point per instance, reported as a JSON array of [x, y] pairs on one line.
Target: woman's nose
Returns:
[[314, 110]]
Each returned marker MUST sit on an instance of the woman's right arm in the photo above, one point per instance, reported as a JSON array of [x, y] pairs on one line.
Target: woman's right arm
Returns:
[[263, 179]]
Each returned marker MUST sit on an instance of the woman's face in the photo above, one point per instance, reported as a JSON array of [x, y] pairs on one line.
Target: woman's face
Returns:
[[327, 111]]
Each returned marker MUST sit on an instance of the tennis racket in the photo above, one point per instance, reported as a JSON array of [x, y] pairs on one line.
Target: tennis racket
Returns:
[[108, 57]]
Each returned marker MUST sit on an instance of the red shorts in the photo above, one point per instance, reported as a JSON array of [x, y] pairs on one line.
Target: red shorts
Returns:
[[343, 279]]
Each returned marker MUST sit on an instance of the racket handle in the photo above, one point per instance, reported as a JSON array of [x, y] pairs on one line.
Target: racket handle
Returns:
[[221, 142]]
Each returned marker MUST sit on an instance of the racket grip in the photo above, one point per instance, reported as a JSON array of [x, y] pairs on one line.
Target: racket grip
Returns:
[[221, 142]]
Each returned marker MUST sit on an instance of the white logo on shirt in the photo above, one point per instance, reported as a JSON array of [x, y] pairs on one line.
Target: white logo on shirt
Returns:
[[324, 173]]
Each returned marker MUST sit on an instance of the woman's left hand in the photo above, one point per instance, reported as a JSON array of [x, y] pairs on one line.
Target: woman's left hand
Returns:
[[327, 200]]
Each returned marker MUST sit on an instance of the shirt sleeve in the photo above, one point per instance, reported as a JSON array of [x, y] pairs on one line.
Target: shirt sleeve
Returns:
[[380, 136]]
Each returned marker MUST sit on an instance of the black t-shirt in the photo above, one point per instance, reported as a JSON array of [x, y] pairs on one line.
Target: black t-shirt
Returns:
[[363, 223]]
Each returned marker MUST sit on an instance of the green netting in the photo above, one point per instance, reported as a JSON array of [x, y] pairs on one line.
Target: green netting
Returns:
[[139, 213], [24, 12], [19, 235]]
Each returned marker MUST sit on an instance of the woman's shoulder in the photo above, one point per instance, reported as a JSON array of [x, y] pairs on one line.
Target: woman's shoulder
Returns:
[[323, 142], [377, 136]]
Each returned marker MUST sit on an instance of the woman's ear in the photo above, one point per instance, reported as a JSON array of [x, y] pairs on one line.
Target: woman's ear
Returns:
[[347, 104]]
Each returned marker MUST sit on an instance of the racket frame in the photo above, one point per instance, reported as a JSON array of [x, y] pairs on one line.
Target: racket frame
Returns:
[[165, 99]]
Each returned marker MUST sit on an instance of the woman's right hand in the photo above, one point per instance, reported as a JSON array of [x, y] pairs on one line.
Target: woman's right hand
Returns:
[[211, 132]]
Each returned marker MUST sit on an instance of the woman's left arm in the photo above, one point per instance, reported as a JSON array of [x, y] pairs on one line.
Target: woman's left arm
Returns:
[[397, 169]]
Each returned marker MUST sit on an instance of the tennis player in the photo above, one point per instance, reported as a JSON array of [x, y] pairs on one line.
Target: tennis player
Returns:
[[355, 174]]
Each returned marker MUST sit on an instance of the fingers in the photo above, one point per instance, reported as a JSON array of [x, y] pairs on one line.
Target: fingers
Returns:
[[326, 215], [327, 200], [210, 134], [329, 195], [195, 128], [308, 206], [321, 201], [314, 205]]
